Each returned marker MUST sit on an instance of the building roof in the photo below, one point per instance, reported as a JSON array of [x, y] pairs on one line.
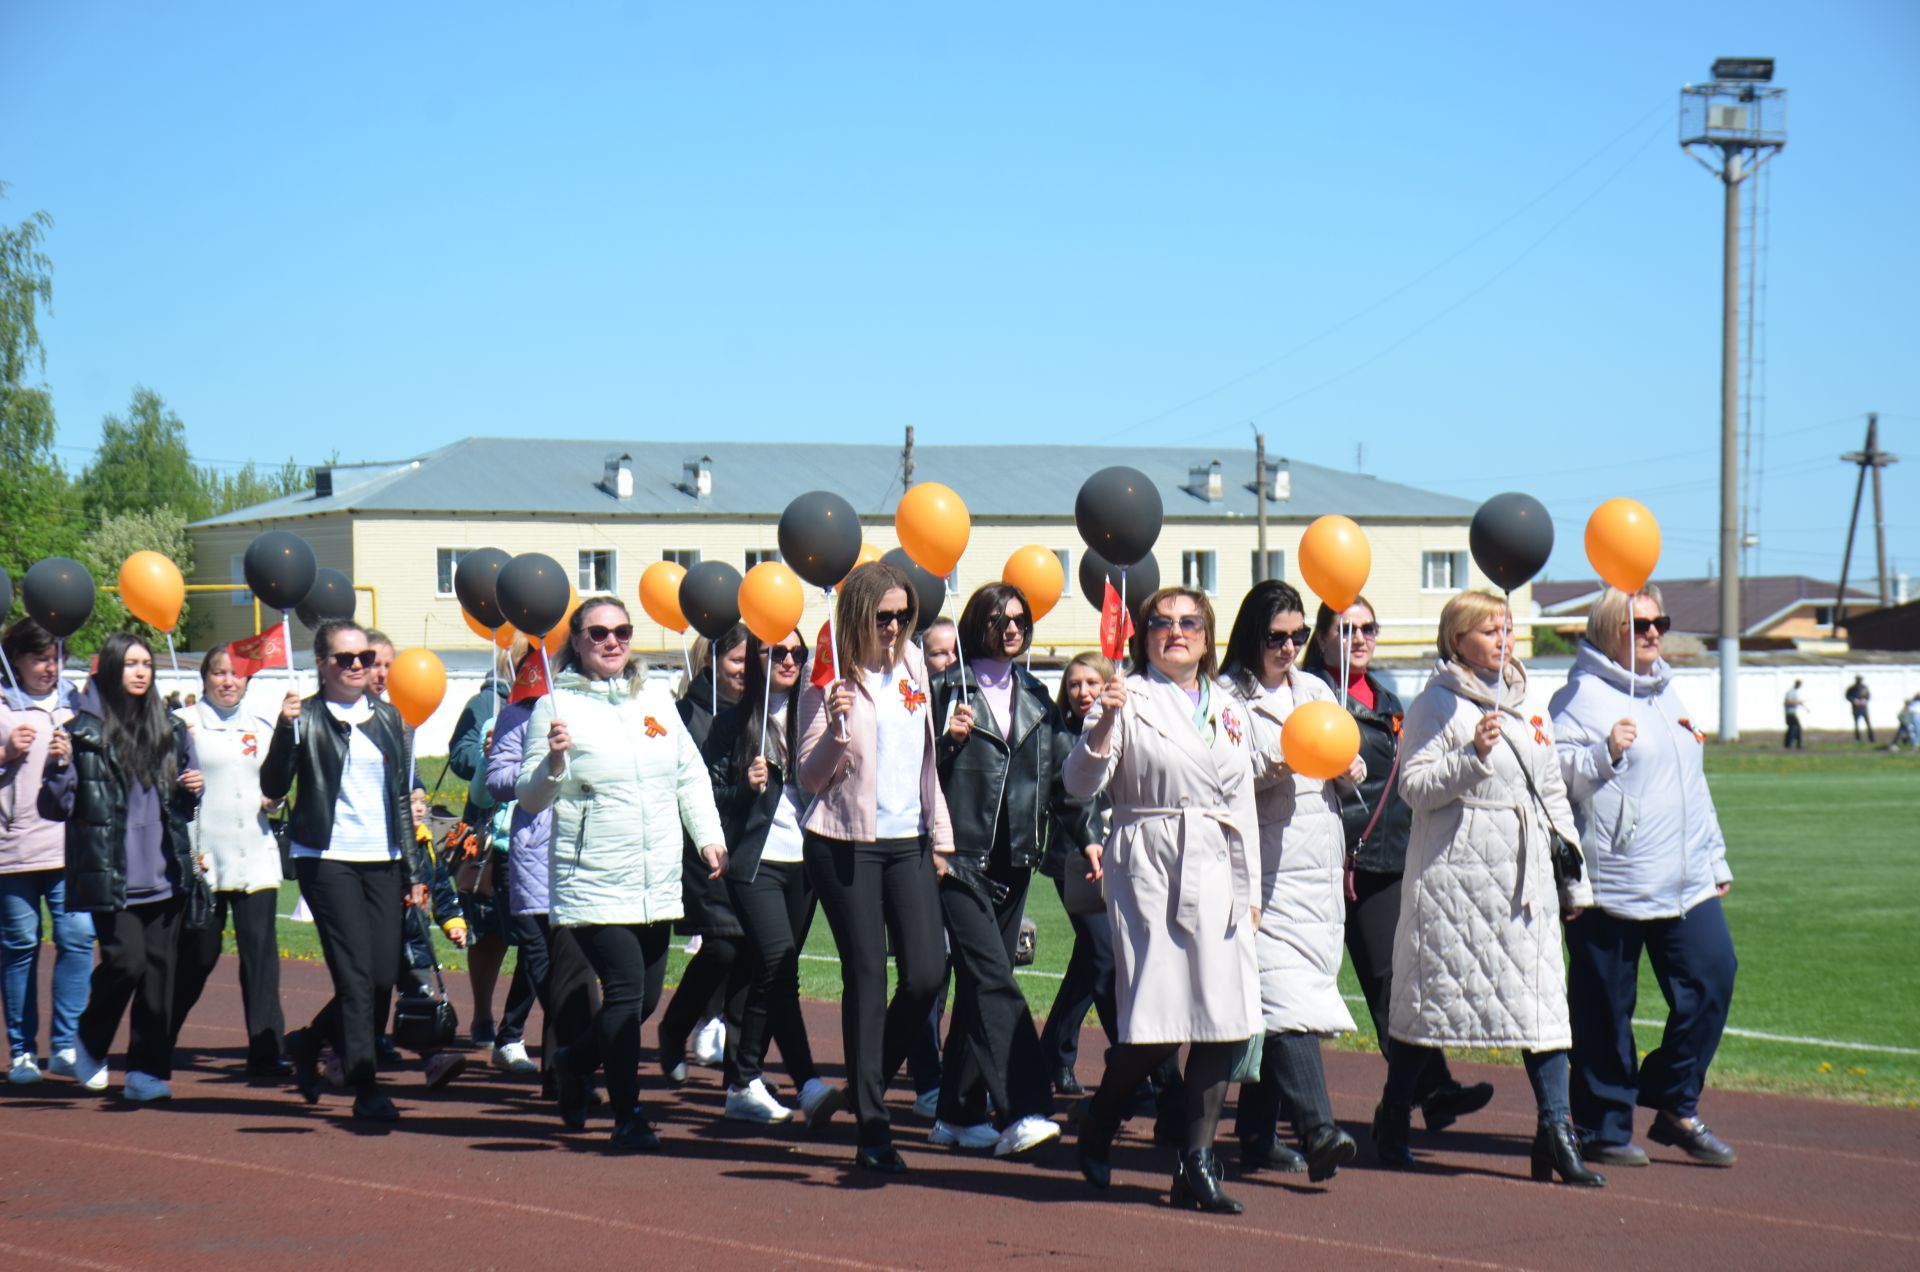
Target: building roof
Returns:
[[1896, 627], [1694, 604], [524, 475]]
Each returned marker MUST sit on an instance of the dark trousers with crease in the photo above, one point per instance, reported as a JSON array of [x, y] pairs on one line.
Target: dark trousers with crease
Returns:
[[357, 908], [562, 981], [139, 948], [631, 961], [872, 893], [1371, 920], [1088, 984], [257, 940], [993, 1049], [1292, 1080], [776, 910]]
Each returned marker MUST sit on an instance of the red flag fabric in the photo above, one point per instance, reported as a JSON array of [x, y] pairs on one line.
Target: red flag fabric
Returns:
[[253, 653], [531, 680], [823, 657], [1116, 624]]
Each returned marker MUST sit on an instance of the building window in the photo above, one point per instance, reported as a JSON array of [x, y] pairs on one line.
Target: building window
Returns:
[[446, 561], [1276, 564], [756, 556], [1823, 616], [685, 558], [1198, 570], [1066, 570], [597, 572], [1443, 571], [237, 571]]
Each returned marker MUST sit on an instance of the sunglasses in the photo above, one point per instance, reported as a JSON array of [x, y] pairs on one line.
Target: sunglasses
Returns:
[[891, 618], [365, 658], [1298, 638], [597, 634], [1189, 624], [1661, 624], [1023, 621], [1365, 631], [785, 653]]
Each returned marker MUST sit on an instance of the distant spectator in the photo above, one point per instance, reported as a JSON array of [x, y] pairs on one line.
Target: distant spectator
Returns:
[[1794, 705], [1909, 731], [1858, 695]]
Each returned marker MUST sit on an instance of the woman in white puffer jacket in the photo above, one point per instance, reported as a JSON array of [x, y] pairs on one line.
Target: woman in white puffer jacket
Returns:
[[1632, 758]]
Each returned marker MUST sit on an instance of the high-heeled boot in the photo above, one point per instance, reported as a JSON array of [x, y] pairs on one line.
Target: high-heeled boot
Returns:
[[1392, 1126], [1197, 1183], [1556, 1149], [1093, 1142]]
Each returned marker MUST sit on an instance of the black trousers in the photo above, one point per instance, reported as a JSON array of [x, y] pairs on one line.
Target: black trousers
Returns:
[[1371, 921], [631, 961], [1088, 984], [139, 949], [563, 983], [715, 984], [874, 893], [1693, 962], [1794, 736], [1209, 1069], [357, 908], [258, 942], [1291, 1079], [993, 1049], [1860, 721], [776, 908]]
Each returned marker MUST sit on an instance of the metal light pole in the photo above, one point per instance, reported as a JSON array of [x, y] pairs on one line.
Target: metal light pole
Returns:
[[1742, 120]]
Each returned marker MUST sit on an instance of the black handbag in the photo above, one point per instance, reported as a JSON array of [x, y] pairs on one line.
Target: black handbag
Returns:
[[199, 902], [425, 1022], [1568, 865]]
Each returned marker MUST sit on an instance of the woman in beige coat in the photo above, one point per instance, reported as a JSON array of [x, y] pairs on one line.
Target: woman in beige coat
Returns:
[[1476, 958], [1172, 751]]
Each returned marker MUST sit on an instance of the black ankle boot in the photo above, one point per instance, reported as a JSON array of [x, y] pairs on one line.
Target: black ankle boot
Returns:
[[1328, 1149], [1197, 1184], [1556, 1149], [1392, 1125], [1093, 1142]]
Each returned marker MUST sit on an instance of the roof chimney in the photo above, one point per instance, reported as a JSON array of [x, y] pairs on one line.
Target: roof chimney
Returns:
[[1205, 482], [617, 480], [323, 483], [697, 477]]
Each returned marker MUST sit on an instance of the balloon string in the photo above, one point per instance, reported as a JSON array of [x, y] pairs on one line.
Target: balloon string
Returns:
[[833, 639], [1346, 653], [766, 707], [1500, 676], [173, 657], [546, 665], [1126, 621], [286, 641], [13, 680], [686, 659], [959, 655]]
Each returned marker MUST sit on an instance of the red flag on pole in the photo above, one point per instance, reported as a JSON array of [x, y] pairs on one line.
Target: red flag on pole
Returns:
[[1116, 624], [254, 653], [823, 658], [531, 681]]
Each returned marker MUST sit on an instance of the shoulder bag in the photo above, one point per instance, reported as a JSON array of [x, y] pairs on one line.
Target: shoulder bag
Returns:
[[1568, 865]]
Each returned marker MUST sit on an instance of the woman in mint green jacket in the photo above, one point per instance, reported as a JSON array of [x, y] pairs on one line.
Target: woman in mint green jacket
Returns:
[[607, 752]]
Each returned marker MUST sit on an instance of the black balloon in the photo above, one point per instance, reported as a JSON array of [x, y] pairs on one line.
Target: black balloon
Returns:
[[1118, 511], [929, 587], [476, 581], [332, 597], [1511, 538], [57, 593], [820, 537], [280, 568], [533, 593], [710, 598], [1143, 580]]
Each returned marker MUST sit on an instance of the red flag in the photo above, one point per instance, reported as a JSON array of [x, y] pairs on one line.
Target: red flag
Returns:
[[531, 681], [252, 654], [1116, 624], [823, 657]]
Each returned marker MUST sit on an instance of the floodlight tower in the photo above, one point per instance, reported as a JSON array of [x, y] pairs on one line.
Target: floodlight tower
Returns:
[[1732, 126]]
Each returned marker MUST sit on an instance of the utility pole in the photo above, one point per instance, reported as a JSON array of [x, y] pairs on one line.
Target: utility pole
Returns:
[[1871, 459], [1260, 493], [906, 461]]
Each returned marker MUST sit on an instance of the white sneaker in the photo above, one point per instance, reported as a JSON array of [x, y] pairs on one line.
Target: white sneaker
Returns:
[[88, 1072], [927, 1103], [1029, 1133], [142, 1087], [751, 1103], [61, 1065], [24, 1071], [710, 1042], [819, 1102], [512, 1057], [946, 1135]]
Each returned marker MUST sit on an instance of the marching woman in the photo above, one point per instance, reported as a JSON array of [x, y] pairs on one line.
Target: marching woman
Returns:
[[760, 808], [1632, 761], [1001, 746], [125, 778], [607, 752], [1172, 751], [1301, 912], [1376, 827], [1476, 960], [242, 859], [354, 852], [876, 837]]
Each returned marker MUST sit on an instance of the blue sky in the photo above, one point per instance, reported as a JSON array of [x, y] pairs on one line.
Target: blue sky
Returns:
[[1462, 237]]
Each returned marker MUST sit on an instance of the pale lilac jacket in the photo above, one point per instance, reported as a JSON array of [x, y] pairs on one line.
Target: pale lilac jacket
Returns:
[[528, 834], [29, 841]]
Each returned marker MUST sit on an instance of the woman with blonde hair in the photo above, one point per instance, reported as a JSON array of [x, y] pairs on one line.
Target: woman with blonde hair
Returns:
[[1476, 958]]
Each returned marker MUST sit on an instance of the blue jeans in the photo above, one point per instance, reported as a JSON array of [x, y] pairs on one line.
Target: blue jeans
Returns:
[[21, 895]]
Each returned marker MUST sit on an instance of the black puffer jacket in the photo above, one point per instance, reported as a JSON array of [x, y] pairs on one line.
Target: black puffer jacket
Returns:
[[744, 815], [96, 873], [1385, 852], [315, 765], [1018, 776], [708, 910]]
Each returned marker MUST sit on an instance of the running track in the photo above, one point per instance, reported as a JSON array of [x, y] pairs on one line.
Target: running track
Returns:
[[480, 1176]]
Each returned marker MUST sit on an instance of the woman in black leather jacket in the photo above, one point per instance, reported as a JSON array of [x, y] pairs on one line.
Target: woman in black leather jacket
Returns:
[[354, 852], [1002, 742], [1377, 862]]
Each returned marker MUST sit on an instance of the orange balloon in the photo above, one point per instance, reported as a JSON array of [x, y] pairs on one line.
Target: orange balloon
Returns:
[[1320, 739], [660, 594], [772, 598], [416, 684], [1335, 560], [1037, 572], [502, 638], [933, 526], [868, 555], [1623, 543], [152, 590]]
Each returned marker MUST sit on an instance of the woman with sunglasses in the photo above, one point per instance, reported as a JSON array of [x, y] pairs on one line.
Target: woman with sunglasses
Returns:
[[1301, 915], [1375, 826], [354, 852], [608, 753], [1173, 751], [750, 757], [1632, 761], [1002, 744], [876, 838]]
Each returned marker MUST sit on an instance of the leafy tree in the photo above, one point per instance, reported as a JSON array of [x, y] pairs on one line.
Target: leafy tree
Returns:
[[249, 486], [162, 530], [143, 463]]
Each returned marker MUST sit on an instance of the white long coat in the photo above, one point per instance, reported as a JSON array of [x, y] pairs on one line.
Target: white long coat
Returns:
[[1303, 911], [1178, 863]]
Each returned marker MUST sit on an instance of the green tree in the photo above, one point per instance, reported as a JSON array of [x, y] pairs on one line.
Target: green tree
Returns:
[[143, 463], [36, 506], [162, 530], [249, 486]]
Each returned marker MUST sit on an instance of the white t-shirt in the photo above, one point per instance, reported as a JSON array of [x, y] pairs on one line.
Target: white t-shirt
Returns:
[[900, 743], [783, 836], [360, 812]]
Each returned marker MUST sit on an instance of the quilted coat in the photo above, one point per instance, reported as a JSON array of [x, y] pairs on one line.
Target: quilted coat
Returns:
[[1477, 957], [633, 779], [1179, 863], [1303, 909]]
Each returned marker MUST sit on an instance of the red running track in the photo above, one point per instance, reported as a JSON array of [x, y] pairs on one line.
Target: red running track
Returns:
[[481, 1175]]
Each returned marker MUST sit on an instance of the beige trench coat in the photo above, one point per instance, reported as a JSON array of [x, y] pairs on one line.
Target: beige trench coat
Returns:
[[1180, 858]]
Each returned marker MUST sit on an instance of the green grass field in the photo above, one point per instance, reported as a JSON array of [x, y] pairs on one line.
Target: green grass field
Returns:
[[1825, 910]]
